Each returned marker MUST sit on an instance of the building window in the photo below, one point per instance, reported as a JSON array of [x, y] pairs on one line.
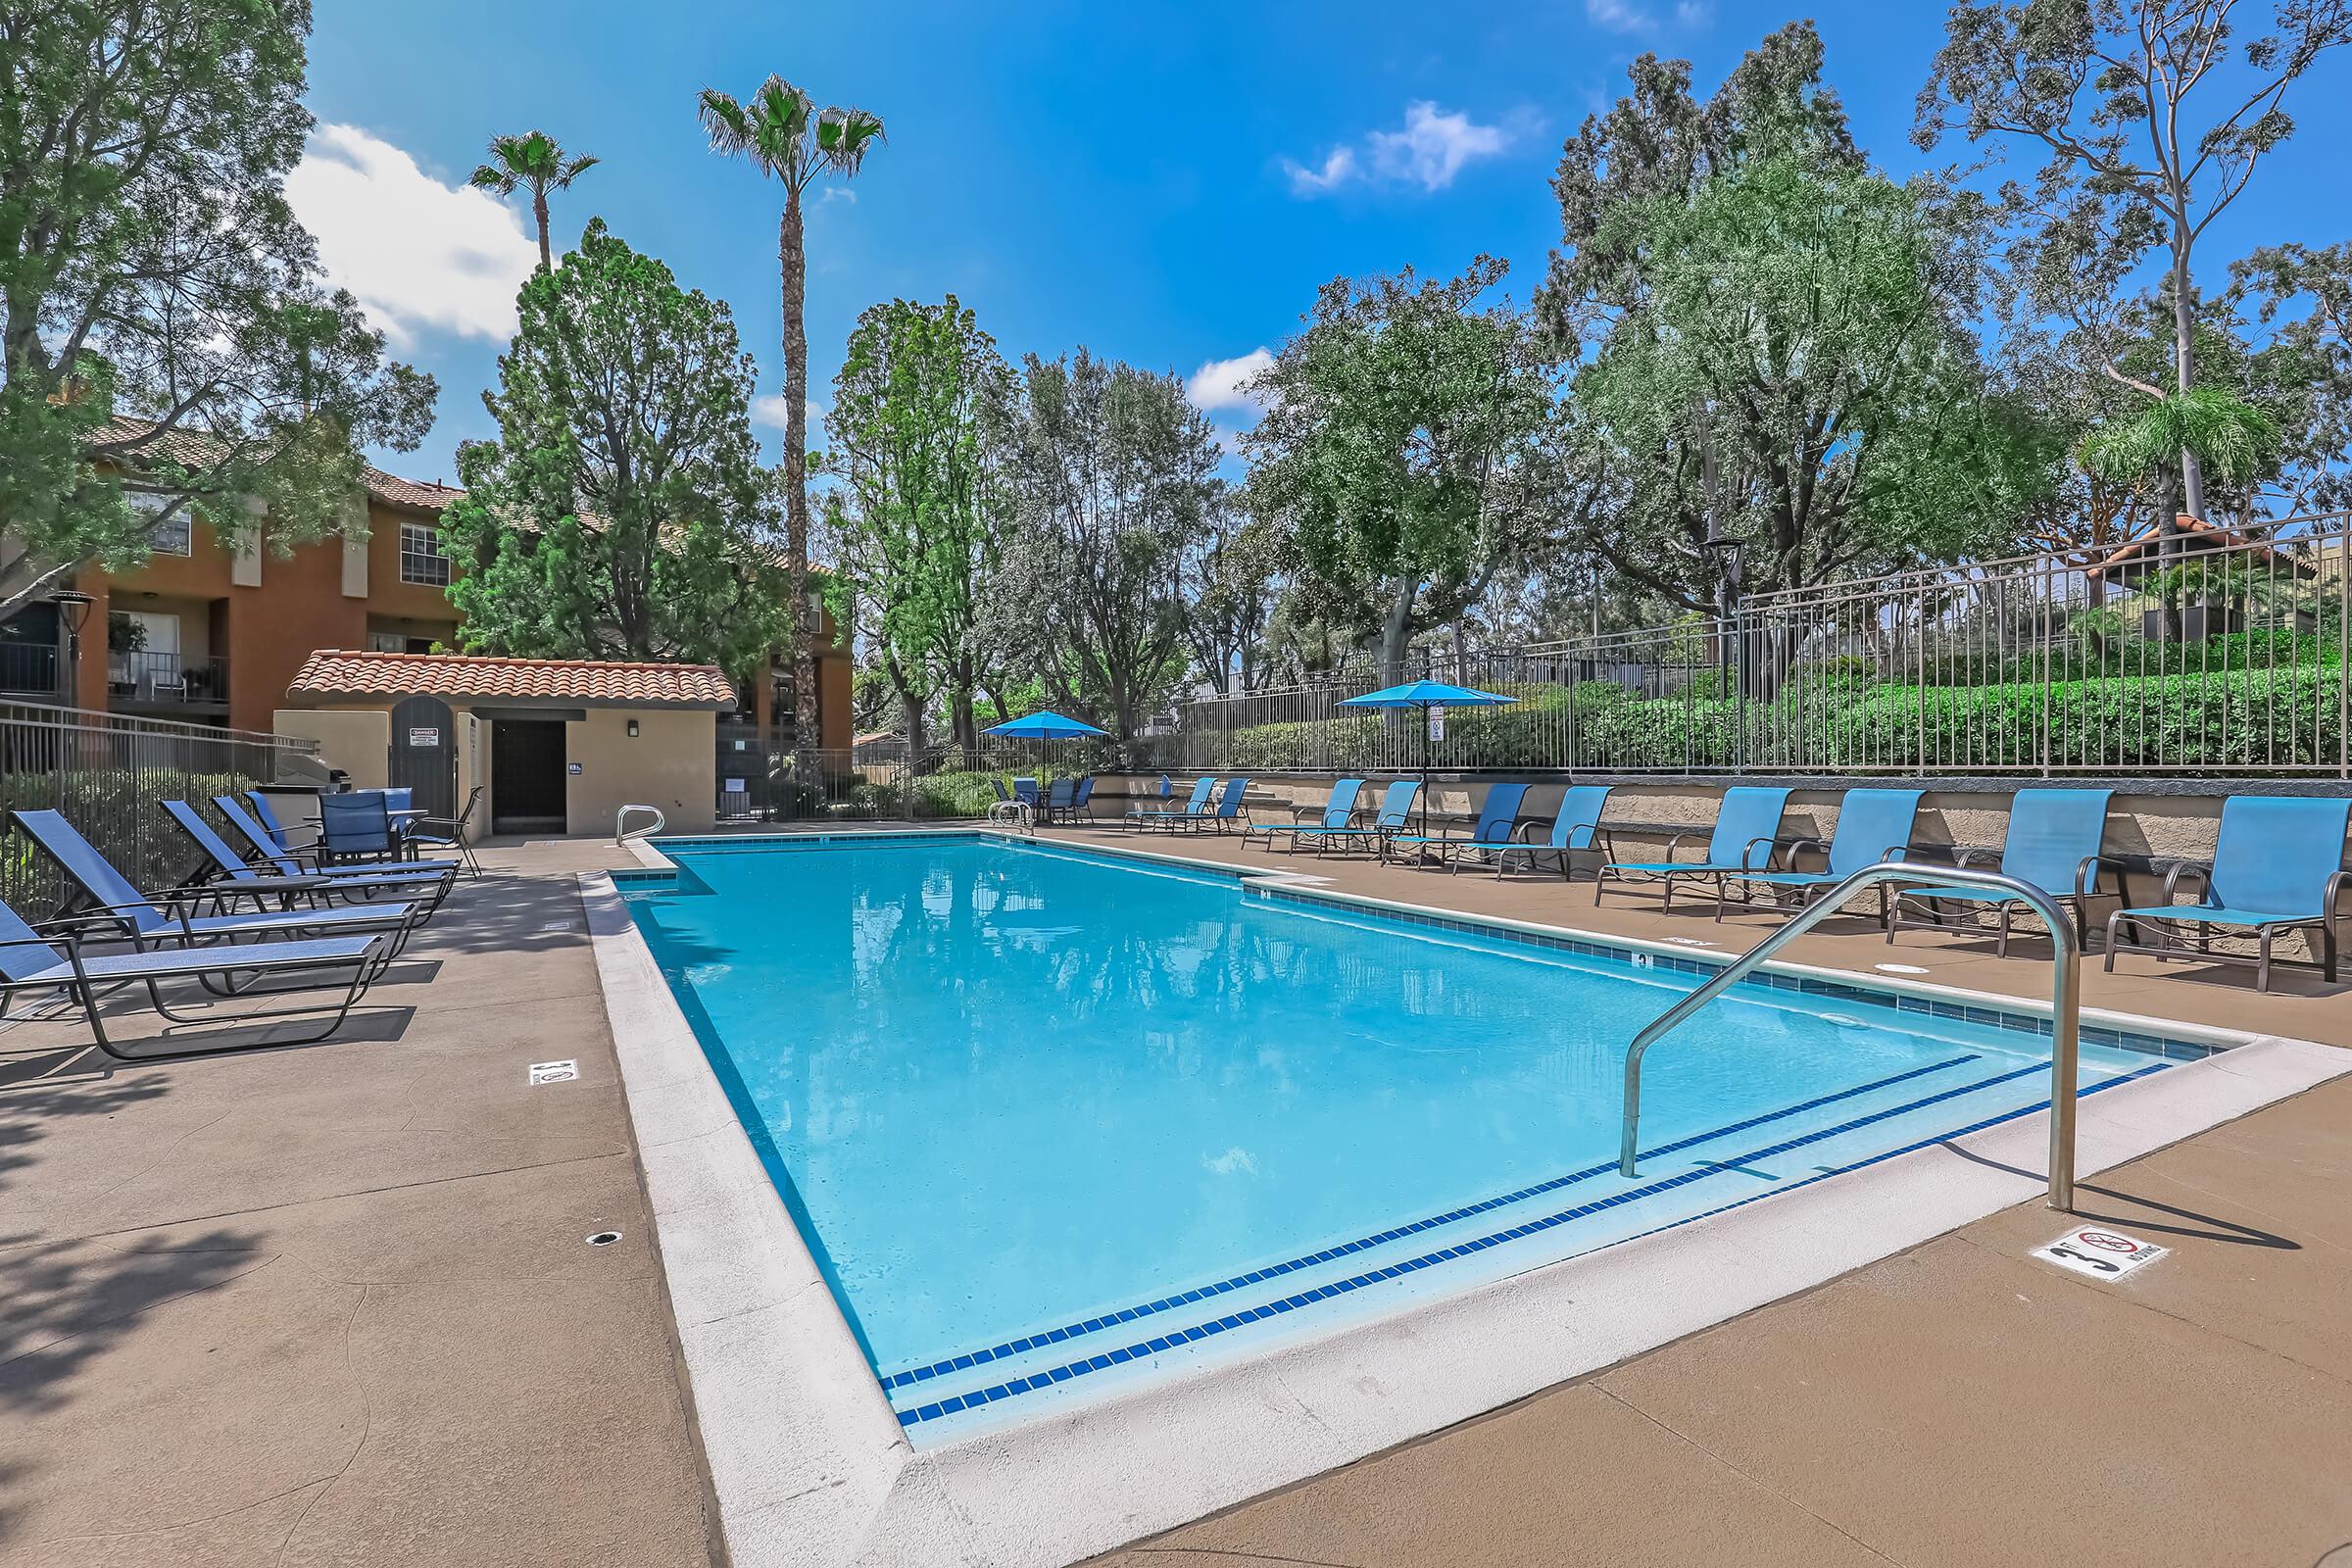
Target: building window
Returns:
[[175, 535], [421, 557]]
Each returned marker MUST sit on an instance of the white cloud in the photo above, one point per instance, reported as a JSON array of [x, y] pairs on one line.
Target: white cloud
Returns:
[[1337, 169], [769, 410], [1694, 13], [838, 193], [420, 256], [1619, 16], [1221, 383], [1428, 152]]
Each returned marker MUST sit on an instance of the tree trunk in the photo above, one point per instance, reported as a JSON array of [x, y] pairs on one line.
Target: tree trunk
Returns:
[[2168, 552], [2193, 471], [539, 212], [1396, 628], [791, 257]]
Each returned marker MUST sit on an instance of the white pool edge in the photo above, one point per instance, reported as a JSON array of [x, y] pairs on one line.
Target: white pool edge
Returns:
[[811, 1466]]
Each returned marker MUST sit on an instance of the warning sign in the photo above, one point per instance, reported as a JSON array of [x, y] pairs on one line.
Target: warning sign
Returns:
[[2101, 1254], [427, 738]]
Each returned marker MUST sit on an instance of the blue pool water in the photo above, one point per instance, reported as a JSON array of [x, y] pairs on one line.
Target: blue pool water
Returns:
[[1045, 1114]]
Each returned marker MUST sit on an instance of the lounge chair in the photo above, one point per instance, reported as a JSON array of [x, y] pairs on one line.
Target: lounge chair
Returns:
[[1147, 816], [449, 833], [2051, 843], [1396, 812], [224, 872], [31, 961], [1873, 825], [114, 903], [268, 851], [1746, 820], [280, 834], [1231, 807], [2279, 865], [1336, 811], [1576, 826], [1498, 820], [1199, 808]]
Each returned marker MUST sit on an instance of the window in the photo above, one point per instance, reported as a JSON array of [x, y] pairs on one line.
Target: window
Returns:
[[421, 557], [175, 535], [398, 641]]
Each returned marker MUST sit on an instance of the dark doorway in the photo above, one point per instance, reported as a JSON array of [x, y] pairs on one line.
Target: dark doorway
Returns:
[[424, 755], [526, 776]]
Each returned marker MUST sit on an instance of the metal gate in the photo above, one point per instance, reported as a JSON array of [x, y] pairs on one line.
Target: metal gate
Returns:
[[742, 771], [424, 754]]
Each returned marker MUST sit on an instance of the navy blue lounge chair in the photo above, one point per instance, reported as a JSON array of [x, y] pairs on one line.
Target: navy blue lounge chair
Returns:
[[227, 873], [2279, 865], [413, 877], [1576, 826], [1747, 824], [1498, 821], [1873, 825], [2051, 843], [1335, 812]]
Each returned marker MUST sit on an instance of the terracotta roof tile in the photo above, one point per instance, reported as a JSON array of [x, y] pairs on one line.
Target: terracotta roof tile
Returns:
[[337, 674], [417, 493]]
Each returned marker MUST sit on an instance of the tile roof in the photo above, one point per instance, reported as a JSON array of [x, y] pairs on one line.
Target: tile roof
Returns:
[[339, 674], [198, 449], [417, 493], [2193, 537]]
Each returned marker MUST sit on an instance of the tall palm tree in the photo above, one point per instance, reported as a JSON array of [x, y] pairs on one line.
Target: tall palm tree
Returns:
[[532, 162], [786, 137]]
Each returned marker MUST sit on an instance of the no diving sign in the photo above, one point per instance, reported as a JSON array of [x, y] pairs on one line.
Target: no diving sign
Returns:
[[2101, 1254]]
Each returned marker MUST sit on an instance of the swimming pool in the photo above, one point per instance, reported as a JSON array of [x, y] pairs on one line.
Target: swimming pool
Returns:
[[1054, 1121]]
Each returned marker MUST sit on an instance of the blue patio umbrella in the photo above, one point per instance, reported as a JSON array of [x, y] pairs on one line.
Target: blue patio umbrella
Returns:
[[1042, 727], [1426, 694]]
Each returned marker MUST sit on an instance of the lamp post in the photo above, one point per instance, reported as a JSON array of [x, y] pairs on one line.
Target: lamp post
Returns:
[[74, 606]]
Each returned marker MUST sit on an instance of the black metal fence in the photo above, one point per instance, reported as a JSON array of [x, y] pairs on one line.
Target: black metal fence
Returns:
[[943, 783], [107, 772]]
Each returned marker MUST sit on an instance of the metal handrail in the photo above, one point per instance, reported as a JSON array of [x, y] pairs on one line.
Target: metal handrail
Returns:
[[623, 832], [2065, 1000]]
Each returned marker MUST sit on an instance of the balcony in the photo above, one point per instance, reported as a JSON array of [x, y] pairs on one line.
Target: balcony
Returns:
[[165, 683], [32, 669]]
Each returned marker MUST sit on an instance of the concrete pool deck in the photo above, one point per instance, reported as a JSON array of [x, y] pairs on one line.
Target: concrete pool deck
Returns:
[[333, 1304]]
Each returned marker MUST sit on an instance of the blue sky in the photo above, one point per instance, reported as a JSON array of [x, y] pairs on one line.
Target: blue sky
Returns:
[[1165, 183]]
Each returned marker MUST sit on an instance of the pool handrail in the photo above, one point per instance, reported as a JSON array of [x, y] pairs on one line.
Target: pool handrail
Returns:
[[2065, 1001]]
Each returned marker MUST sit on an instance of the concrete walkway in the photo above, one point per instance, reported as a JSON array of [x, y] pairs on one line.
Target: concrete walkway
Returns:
[[333, 1305]]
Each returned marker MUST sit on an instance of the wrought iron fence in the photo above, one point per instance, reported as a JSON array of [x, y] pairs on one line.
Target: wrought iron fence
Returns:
[[2220, 652], [107, 772]]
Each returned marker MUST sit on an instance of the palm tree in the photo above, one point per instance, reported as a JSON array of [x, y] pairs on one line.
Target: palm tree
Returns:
[[532, 162], [785, 136]]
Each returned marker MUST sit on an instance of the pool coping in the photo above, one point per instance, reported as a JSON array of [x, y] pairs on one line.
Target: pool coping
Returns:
[[810, 1464]]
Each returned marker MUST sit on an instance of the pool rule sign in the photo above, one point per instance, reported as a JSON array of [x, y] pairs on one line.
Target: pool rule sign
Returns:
[[2101, 1254]]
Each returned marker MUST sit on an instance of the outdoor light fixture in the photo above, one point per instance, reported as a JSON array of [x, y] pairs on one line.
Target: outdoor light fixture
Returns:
[[632, 729], [73, 607]]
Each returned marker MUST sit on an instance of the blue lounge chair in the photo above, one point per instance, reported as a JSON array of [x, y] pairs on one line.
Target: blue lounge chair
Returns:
[[1149, 815], [281, 835], [114, 905], [1231, 807], [1873, 825], [1498, 821], [2051, 843], [2279, 865], [1335, 812], [1396, 812], [1576, 826], [270, 851], [1203, 802], [43, 965], [1747, 824], [232, 877]]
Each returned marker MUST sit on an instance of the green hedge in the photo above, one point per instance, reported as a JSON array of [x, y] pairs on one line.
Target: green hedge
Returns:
[[117, 809]]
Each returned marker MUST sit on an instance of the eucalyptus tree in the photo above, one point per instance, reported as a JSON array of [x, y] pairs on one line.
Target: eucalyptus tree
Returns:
[[919, 441], [2150, 125], [781, 134], [531, 161], [1407, 447], [162, 313]]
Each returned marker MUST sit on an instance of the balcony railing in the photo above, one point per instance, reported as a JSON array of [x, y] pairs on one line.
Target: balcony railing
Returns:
[[155, 677], [30, 670]]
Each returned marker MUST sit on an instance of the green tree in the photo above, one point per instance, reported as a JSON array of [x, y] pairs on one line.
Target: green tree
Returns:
[[919, 433], [1114, 471], [2148, 129], [161, 311], [2303, 295], [1404, 446], [786, 137], [531, 161], [623, 512], [1229, 575]]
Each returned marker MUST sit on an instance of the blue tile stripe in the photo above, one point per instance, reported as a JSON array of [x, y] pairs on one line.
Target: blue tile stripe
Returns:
[[1013, 1388], [1112, 1319]]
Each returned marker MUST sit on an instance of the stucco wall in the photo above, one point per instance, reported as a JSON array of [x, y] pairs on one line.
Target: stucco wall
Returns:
[[358, 741], [672, 764]]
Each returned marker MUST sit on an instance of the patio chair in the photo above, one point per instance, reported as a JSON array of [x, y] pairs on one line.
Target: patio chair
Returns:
[[226, 873], [2279, 865], [1396, 812], [1024, 790], [2051, 842], [1576, 826], [356, 828], [1082, 802], [1747, 817], [1873, 825], [449, 833], [1498, 820], [1335, 812], [1156, 816], [1058, 796], [35, 963], [114, 905], [297, 862], [1231, 807]]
